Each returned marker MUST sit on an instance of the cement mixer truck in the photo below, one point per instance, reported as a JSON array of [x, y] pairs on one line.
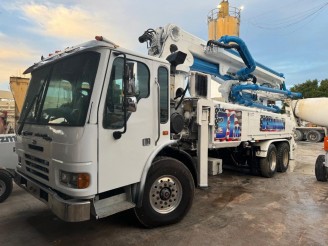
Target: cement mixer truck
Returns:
[[306, 110]]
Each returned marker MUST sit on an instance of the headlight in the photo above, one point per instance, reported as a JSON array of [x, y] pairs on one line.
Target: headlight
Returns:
[[75, 180]]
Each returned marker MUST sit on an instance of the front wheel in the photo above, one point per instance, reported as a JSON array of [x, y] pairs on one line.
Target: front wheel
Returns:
[[321, 172], [168, 193], [6, 186], [268, 164]]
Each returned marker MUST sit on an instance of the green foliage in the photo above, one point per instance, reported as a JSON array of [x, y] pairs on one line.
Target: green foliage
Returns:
[[311, 88]]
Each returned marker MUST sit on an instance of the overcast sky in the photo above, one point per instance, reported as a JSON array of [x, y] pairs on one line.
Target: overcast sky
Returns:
[[288, 36]]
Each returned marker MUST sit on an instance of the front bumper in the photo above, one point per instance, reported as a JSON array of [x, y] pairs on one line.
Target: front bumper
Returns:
[[73, 210]]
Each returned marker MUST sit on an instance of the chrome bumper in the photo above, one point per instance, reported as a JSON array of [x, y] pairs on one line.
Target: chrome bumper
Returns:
[[67, 210]]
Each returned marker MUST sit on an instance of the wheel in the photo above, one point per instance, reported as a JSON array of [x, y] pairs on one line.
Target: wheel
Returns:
[[298, 135], [268, 164], [321, 172], [313, 136], [282, 157], [168, 193], [6, 186]]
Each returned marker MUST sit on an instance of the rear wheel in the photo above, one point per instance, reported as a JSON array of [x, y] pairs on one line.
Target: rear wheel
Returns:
[[298, 135], [268, 164], [282, 157], [321, 172], [6, 186], [168, 193], [313, 136]]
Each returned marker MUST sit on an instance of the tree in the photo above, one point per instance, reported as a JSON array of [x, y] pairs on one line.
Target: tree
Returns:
[[323, 88], [311, 88]]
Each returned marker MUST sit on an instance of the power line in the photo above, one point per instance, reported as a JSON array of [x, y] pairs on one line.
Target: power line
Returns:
[[273, 10], [291, 20]]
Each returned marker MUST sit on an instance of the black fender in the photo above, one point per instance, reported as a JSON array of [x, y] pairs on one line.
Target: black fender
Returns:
[[9, 172], [182, 156]]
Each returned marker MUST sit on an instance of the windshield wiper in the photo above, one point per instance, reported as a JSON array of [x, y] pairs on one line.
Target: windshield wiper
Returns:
[[29, 107]]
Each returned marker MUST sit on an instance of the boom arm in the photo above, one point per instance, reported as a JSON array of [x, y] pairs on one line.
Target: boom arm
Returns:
[[228, 67]]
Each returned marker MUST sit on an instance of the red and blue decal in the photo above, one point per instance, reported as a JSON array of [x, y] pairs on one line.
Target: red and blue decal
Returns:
[[227, 125]]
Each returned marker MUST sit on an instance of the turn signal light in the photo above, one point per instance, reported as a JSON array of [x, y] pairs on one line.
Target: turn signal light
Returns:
[[83, 180]]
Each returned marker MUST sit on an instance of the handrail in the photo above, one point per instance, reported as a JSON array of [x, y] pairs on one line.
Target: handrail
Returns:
[[159, 111]]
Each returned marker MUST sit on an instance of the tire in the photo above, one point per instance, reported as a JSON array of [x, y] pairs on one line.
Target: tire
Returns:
[[268, 164], [313, 136], [168, 193], [321, 172], [283, 152], [322, 137], [6, 186], [298, 135]]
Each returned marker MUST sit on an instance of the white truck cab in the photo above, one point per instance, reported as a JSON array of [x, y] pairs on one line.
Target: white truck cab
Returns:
[[84, 136]]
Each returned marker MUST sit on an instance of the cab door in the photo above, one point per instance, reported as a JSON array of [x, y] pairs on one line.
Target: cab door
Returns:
[[121, 161]]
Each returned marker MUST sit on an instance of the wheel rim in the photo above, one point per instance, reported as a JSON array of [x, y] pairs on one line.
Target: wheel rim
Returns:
[[285, 158], [165, 194], [273, 161], [312, 137], [2, 187], [298, 135]]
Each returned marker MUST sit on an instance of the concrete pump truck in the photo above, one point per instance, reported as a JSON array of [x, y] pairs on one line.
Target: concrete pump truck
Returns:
[[104, 129]]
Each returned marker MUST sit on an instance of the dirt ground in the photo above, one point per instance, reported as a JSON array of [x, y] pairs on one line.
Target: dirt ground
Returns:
[[237, 209]]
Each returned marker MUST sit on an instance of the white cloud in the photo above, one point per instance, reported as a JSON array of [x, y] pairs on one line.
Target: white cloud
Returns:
[[78, 23], [59, 21], [15, 57]]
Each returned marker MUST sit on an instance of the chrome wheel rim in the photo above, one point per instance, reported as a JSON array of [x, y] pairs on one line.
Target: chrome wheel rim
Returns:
[[273, 161], [165, 194], [285, 158]]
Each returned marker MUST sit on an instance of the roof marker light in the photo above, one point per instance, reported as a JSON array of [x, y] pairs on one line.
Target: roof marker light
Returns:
[[101, 38]]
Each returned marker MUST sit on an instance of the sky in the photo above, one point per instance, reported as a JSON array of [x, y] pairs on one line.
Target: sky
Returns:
[[289, 36]]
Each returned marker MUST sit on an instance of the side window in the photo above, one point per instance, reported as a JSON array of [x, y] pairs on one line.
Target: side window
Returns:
[[138, 79], [142, 81], [163, 80], [138, 86]]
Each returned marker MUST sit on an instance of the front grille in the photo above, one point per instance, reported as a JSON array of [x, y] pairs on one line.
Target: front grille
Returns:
[[37, 166]]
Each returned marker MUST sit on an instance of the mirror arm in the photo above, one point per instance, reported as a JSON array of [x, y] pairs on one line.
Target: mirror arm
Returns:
[[118, 134]]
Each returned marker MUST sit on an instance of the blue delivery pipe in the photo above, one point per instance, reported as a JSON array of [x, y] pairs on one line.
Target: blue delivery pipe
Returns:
[[244, 73], [237, 96]]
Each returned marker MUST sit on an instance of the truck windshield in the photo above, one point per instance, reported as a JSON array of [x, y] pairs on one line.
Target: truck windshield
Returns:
[[60, 92]]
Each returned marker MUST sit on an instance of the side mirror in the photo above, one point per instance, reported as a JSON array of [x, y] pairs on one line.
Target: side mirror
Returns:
[[131, 104]]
